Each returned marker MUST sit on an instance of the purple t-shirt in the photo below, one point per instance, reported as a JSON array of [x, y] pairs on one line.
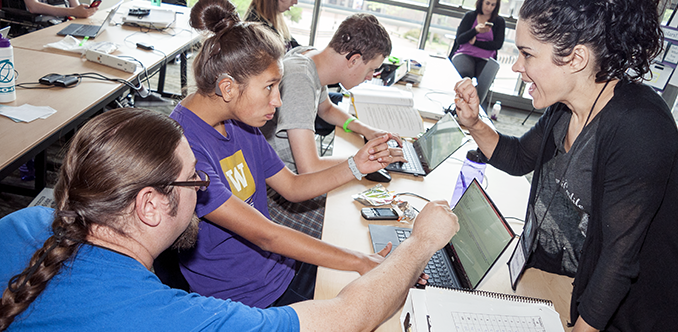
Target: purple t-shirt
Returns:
[[476, 51], [223, 264]]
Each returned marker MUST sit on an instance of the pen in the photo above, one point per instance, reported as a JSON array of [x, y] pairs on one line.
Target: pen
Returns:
[[353, 103], [84, 40]]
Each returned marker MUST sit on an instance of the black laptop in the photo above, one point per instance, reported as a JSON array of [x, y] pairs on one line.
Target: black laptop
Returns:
[[483, 236], [88, 30], [431, 149]]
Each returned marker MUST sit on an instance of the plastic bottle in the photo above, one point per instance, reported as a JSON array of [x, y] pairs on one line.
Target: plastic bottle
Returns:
[[27, 171], [495, 110], [7, 92], [473, 167]]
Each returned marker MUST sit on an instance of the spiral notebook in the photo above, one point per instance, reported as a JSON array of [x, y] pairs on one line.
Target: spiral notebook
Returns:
[[441, 309]]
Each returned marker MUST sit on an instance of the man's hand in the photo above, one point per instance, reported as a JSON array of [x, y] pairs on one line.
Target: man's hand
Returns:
[[435, 225], [376, 154], [374, 133]]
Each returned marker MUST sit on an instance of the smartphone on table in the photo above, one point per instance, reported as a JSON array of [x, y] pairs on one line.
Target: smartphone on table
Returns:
[[379, 214]]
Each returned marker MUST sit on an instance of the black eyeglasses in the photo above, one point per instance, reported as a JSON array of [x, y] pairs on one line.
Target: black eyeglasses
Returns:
[[201, 185]]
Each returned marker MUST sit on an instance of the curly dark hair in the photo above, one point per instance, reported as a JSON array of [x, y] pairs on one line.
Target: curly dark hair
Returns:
[[624, 35]]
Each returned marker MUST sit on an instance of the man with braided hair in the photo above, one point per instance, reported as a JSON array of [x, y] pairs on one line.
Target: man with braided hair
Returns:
[[123, 197]]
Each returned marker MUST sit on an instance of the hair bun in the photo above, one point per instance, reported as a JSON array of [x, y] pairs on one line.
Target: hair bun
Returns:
[[213, 15]]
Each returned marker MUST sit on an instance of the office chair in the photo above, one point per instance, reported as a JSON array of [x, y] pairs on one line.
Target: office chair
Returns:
[[13, 13], [485, 78], [324, 129]]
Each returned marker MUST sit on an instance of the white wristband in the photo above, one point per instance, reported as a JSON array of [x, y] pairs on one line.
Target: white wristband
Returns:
[[354, 169]]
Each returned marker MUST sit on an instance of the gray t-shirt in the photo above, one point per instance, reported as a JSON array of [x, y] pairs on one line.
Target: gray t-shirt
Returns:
[[301, 93], [563, 203]]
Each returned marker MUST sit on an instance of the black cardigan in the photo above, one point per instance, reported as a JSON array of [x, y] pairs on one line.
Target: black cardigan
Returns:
[[626, 279], [466, 32]]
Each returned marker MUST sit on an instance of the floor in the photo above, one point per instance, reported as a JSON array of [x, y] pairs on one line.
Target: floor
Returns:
[[509, 122]]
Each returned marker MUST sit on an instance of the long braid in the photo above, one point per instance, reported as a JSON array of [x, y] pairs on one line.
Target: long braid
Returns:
[[107, 164], [25, 287]]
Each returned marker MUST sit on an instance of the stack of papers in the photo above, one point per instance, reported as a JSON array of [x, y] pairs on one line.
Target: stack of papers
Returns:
[[26, 112]]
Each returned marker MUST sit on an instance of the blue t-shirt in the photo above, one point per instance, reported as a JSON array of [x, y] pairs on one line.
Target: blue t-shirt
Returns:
[[223, 264], [102, 290]]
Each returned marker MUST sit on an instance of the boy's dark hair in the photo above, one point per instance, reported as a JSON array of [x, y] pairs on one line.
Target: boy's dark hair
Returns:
[[361, 34]]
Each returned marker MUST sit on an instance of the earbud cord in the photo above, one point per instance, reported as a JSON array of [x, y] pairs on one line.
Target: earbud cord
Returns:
[[564, 171]]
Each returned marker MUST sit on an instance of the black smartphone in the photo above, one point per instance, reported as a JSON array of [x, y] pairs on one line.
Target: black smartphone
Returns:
[[489, 24], [379, 214], [95, 4]]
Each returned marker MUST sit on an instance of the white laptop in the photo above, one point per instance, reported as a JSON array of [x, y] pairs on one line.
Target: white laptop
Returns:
[[157, 18]]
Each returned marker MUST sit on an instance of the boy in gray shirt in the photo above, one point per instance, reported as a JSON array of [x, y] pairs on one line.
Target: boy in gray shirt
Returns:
[[356, 50]]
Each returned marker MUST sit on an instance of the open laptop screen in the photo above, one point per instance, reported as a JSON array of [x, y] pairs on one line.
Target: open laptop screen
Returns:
[[441, 140], [483, 234]]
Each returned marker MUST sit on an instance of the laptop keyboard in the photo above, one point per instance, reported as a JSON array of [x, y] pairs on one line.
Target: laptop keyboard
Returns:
[[82, 30], [410, 155], [439, 274]]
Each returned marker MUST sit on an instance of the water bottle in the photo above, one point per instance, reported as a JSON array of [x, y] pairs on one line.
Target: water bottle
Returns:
[[495, 110], [7, 93], [27, 171], [473, 167]]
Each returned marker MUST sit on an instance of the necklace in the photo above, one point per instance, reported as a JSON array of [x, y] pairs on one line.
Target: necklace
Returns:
[[531, 234]]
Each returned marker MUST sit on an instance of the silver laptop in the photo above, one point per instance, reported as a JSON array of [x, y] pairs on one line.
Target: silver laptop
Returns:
[[89, 30], [483, 236], [432, 148]]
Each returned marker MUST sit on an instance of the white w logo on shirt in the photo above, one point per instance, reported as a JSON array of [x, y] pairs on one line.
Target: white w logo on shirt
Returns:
[[236, 177]]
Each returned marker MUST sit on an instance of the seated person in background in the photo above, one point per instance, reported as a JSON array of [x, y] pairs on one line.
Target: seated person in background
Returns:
[[270, 13], [479, 36], [241, 254], [123, 196], [357, 48], [73, 8]]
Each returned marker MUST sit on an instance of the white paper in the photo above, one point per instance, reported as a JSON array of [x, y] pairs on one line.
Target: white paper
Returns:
[[371, 93], [387, 108], [403, 120], [671, 54], [26, 112], [658, 76], [449, 309]]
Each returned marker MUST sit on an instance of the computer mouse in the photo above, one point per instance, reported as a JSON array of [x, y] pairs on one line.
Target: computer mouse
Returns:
[[379, 176]]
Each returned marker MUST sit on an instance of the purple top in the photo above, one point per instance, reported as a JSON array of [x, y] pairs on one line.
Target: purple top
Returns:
[[475, 51], [4, 42], [223, 264]]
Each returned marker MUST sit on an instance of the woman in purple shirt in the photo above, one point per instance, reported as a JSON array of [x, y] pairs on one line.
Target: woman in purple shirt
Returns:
[[240, 253], [479, 35]]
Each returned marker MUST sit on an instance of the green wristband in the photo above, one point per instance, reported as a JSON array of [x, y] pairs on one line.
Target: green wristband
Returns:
[[351, 119]]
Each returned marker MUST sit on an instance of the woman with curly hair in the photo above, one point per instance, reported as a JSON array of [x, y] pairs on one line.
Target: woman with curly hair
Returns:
[[602, 205]]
